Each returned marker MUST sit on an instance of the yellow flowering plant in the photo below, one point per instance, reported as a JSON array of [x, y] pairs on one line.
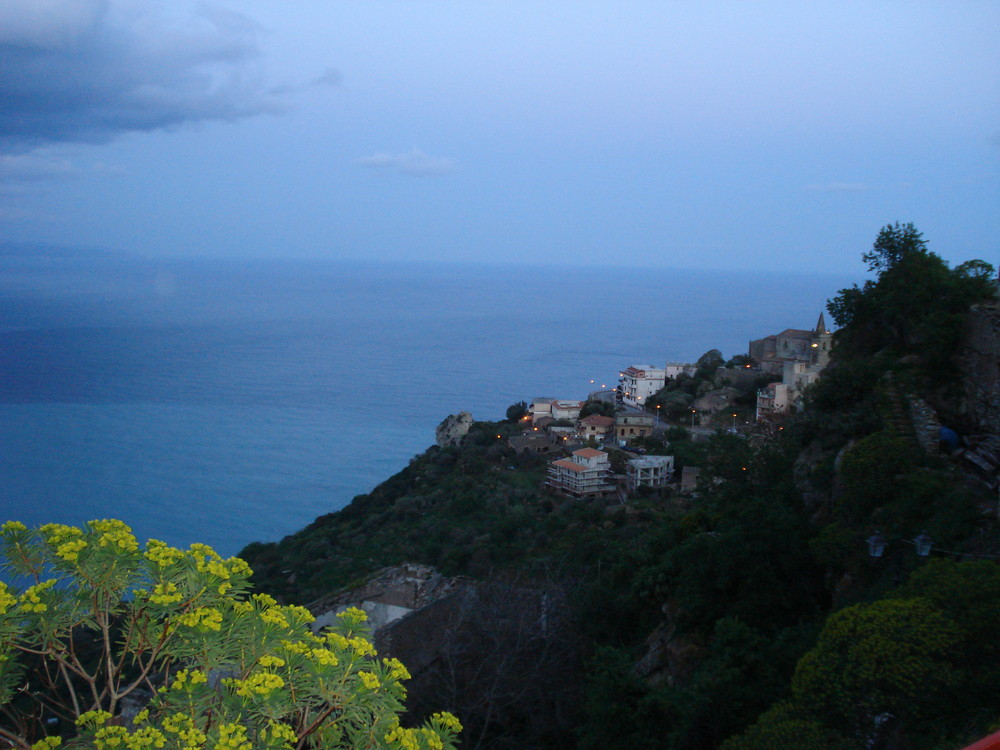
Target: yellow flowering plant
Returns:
[[107, 643]]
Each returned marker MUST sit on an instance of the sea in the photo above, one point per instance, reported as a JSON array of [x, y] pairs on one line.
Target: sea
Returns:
[[228, 401]]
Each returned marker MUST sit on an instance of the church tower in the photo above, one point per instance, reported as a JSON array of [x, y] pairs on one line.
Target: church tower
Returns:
[[822, 339]]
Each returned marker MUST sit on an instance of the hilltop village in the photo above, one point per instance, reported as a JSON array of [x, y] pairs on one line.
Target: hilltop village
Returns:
[[746, 395], [794, 547]]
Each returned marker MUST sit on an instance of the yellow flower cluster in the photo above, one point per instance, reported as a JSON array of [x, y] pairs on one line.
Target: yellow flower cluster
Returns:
[[182, 725], [70, 551], [261, 683], [47, 743], [7, 599], [239, 567], [16, 526], [187, 680], [274, 616], [56, 533], [301, 615], [201, 617], [145, 738], [360, 646], [281, 732], [369, 680], [270, 662], [447, 721], [161, 553], [295, 647], [65, 539], [114, 533], [353, 616], [232, 737], [397, 671], [324, 657], [110, 737], [406, 739], [165, 593], [30, 599], [92, 718]]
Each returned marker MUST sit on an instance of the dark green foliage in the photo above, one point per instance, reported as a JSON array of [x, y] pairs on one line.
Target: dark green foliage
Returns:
[[597, 406], [915, 306], [871, 471], [708, 363], [890, 657], [517, 411]]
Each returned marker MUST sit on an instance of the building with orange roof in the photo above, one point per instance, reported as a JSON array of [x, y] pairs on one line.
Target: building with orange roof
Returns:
[[595, 426], [586, 473]]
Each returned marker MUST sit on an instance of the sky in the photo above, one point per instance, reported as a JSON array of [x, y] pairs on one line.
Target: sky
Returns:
[[737, 135]]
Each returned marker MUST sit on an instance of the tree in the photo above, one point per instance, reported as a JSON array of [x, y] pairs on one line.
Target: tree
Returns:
[[894, 243], [517, 411], [107, 628], [889, 661], [708, 363], [916, 305], [597, 406]]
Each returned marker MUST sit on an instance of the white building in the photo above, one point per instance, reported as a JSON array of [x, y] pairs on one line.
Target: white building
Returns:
[[540, 407], [772, 399], [673, 369], [564, 409], [638, 382], [649, 471], [587, 473]]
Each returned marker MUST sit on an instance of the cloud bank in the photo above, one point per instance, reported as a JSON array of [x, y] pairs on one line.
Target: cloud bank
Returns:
[[89, 70], [415, 163]]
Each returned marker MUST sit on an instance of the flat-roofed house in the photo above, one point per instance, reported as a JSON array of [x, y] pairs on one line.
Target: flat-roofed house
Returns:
[[638, 382], [565, 409], [649, 471], [631, 426]]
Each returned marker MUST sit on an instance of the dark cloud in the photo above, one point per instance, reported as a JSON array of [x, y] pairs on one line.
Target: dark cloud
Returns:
[[89, 70]]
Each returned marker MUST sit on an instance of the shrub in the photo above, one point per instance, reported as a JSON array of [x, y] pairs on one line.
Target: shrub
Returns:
[[114, 645]]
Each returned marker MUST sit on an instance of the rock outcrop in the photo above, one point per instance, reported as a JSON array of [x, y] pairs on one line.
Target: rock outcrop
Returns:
[[453, 429]]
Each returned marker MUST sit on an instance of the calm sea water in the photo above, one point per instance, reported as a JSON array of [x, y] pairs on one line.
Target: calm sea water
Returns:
[[227, 401]]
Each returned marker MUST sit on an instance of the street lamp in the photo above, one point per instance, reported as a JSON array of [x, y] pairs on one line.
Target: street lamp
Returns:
[[657, 416], [692, 418], [924, 544], [876, 544], [734, 421]]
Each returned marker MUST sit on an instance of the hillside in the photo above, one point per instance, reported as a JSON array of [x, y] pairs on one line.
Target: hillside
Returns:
[[750, 615]]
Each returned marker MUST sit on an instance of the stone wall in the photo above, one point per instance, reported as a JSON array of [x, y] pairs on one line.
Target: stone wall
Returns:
[[979, 362]]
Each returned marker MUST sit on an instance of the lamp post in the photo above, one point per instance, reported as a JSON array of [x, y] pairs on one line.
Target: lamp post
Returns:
[[692, 418], [924, 544], [657, 416], [734, 421], [877, 544]]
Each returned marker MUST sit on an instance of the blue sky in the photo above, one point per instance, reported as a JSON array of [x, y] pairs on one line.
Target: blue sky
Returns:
[[680, 134]]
